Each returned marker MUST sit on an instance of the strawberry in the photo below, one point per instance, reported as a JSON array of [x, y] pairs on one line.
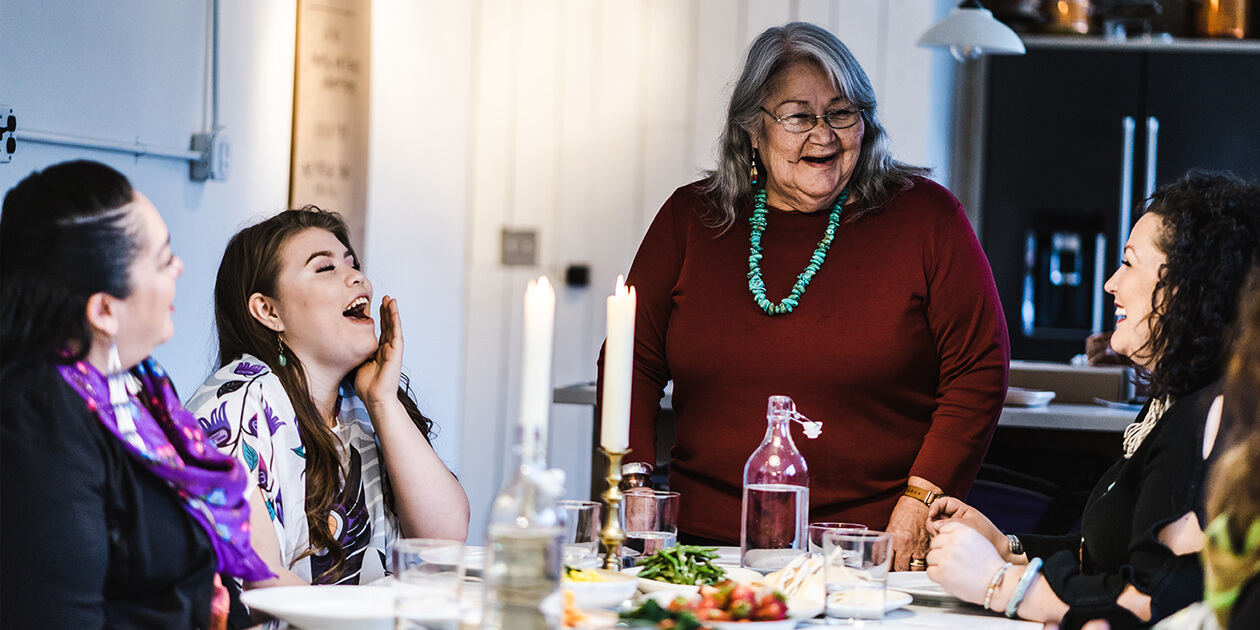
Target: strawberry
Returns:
[[772, 607]]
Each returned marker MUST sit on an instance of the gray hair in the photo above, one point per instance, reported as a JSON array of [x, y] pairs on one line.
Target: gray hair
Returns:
[[877, 175]]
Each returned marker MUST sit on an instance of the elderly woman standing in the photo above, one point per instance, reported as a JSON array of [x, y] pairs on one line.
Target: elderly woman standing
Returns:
[[1135, 560], [812, 264]]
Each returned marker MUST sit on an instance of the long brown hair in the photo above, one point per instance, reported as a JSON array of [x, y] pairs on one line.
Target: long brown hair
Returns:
[[1234, 484], [251, 264]]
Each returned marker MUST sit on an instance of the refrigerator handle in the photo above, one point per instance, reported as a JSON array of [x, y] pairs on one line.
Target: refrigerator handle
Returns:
[[1126, 189], [1152, 146]]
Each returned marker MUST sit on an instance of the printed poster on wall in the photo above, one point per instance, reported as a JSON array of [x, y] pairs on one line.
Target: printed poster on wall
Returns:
[[330, 110]]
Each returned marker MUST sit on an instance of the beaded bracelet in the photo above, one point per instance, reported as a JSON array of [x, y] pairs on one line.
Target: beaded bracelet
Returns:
[[994, 582], [1021, 589]]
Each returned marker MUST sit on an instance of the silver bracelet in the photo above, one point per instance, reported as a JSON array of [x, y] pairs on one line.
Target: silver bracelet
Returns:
[[1021, 589]]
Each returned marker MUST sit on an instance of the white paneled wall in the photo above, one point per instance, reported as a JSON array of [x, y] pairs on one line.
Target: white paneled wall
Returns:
[[587, 114]]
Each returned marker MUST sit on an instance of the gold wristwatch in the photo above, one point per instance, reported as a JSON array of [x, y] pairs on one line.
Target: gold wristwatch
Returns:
[[923, 494]]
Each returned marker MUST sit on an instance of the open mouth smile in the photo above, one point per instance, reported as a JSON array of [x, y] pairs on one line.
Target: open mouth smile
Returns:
[[358, 309], [819, 160]]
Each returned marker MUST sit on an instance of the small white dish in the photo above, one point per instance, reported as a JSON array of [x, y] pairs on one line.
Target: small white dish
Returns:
[[893, 599], [918, 584], [326, 607], [474, 557], [738, 574], [609, 593], [1020, 397]]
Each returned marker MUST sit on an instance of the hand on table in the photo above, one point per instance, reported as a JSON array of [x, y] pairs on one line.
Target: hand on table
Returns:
[[962, 561], [908, 525]]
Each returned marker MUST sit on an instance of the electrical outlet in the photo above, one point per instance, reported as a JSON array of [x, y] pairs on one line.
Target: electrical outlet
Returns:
[[8, 124], [519, 247], [215, 161]]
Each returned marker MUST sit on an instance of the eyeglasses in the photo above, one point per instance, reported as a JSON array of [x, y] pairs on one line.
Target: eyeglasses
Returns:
[[805, 121]]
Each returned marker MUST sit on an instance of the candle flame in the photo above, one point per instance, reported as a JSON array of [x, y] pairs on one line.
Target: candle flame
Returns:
[[621, 285], [541, 283]]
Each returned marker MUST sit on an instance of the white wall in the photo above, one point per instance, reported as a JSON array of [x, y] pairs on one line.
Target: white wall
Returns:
[[573, 117], [136, 70]]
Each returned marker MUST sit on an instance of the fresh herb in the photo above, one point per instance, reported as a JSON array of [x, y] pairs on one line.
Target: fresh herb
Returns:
[[683, 564]]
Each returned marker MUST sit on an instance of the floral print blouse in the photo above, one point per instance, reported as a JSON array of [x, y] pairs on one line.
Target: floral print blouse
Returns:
[[244, 409]]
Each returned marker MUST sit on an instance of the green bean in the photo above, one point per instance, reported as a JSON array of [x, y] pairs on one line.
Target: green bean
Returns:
[[683, 564]]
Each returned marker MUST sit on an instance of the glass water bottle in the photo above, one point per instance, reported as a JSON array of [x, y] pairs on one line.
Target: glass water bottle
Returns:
[[776, 493], [524, 548]]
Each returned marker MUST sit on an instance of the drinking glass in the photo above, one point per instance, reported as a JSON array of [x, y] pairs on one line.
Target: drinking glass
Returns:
[[816, 533], [856, 565], [428, 576], [581, 543], [649, 519]]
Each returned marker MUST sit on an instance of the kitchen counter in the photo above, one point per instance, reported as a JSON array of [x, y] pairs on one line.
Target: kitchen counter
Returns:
[[1056, 416]]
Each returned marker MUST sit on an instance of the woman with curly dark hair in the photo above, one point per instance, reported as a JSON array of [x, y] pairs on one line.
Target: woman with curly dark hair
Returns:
[[1135, 560]]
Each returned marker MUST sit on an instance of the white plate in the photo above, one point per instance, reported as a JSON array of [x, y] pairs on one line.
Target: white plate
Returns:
[[326, 607], [616, 588], [892, 599], [918, 584], [474, 557], [738, 574], [799, 609], [1020, 397]]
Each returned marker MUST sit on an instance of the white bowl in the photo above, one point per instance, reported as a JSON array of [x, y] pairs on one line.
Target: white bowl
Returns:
[[1020, 397], [609, 593], [326, 607], [738, 574]]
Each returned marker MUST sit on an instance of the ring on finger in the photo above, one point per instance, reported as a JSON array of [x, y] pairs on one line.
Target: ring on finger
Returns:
[[918, 563]]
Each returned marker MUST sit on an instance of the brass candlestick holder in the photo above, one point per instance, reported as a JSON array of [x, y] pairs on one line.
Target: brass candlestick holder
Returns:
[[611, 534]]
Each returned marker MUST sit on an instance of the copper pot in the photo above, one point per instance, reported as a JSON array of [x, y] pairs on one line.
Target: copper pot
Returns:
[[1221, 18], [1067, 16]]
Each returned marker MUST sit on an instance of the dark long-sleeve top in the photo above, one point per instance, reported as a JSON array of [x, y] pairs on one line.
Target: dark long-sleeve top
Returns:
[[898, 347], [89, 538], [1132, 502]]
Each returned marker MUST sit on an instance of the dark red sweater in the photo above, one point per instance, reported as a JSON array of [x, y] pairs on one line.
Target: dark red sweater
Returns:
[[898, 346]]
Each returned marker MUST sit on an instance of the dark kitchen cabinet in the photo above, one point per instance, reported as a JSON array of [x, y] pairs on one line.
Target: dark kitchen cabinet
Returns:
[[1075, 138]]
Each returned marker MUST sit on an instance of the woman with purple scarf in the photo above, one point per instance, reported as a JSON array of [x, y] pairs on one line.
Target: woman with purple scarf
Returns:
[[115, 509]]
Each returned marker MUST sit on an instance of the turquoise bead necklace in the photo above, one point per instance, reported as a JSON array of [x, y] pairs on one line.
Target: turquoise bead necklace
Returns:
[[755, 283]]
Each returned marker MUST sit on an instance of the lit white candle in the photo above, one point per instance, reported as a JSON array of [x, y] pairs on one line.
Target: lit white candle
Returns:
[[618, 369], [540, 311]]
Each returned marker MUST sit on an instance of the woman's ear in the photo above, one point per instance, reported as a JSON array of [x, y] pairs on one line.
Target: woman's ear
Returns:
[[263, 309], [102, 313]]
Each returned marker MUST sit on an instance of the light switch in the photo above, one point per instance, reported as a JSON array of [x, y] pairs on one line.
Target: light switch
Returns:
[[519, 247]]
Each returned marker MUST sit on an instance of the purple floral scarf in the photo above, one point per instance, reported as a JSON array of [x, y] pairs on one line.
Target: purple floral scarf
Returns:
[[172, 446]]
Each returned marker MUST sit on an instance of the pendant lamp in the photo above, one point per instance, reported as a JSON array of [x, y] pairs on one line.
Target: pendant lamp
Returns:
[[969, 31]]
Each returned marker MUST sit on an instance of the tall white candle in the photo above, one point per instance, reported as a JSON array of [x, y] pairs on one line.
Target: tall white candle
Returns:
[[618, 369], [540, 311]]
